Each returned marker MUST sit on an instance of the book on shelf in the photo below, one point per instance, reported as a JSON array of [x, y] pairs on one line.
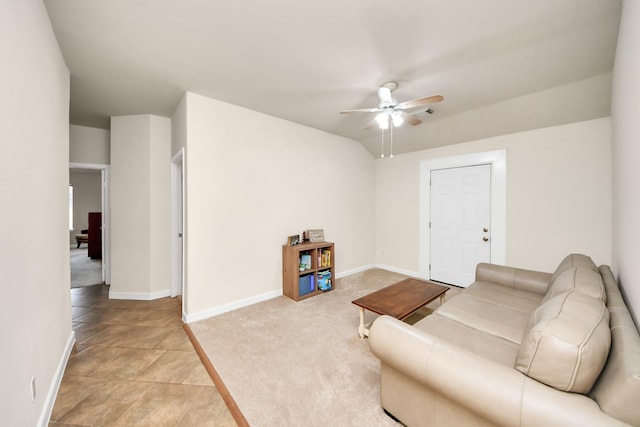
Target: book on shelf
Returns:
[[306, 284], [325, 258], [324, 280], [305, 262]]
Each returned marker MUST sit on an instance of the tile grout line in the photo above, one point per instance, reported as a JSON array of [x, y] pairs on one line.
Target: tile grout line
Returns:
[[171, 339]]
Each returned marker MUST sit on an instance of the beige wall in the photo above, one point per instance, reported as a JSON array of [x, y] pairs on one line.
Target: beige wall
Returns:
[[558, 196], [160, 205], [252, 180], [87, 197], [626, 156], [140, 206], [35, 312], [178, 126], [89, 145]]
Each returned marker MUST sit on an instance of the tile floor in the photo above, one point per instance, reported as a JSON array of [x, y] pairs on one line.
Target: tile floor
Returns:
[[133, 365]]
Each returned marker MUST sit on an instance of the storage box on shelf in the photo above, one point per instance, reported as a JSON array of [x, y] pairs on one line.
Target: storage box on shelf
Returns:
[[307, 269]]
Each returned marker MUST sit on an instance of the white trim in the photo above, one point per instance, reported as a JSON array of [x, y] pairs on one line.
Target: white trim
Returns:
[[50, 400], [142, 296], [106, 225], [87, 165], [355, 270], [397, 270], [177, 224], [381, 267], [105, 197], [212, 312], [498, 161], [189, 318]]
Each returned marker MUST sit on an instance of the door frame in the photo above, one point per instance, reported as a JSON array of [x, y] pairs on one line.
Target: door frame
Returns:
[[498, 161], [177, 223], [105, 190]]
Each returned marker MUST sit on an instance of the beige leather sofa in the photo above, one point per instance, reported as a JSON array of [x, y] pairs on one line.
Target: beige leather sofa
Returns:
[[516, 348]]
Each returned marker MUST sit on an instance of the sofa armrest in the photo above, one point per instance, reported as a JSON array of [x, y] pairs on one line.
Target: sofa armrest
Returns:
[[497, 393], [516, 278]]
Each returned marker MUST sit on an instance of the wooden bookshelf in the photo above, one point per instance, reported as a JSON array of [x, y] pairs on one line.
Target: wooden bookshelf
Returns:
[[322, 263]]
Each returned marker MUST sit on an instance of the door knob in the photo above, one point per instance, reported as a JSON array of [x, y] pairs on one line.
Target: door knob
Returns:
[[485, 229], [485, 239]]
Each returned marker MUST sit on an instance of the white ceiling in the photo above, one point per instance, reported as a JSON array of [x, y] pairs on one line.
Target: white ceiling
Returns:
[[304, 60]]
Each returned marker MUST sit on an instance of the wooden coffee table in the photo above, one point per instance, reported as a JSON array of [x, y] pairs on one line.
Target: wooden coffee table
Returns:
[[399, 300]]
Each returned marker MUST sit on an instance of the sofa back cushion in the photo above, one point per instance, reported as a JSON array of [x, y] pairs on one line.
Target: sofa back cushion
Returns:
[[566, 342], [574, 260], [617, 390], [579, 279]]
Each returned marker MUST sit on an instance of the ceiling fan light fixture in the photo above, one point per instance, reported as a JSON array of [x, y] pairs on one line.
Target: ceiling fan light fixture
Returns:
[[383, 120], [397, 119]]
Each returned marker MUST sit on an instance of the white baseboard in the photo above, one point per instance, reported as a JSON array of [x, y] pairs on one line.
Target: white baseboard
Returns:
[[143, 296], [50, 400], [355, 270], [398, 270], [189, 318], [205, 314], [380, 266]]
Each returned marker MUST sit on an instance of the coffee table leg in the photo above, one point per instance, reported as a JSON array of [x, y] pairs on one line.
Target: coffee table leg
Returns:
[[361, 327]]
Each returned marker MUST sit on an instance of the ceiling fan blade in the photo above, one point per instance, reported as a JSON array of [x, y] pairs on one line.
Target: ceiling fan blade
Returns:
[[410, 118], [372, 124], [361, 110], [420, 102], [384, 93]]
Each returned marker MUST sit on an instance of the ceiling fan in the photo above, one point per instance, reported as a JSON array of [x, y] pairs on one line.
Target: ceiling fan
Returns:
[[390, 110]]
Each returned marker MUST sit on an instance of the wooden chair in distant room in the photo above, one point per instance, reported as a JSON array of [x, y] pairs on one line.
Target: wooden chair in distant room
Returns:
[[83, 237]]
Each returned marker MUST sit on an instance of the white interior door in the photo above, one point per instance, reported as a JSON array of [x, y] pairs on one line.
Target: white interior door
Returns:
[[177, 224], [460, 218]]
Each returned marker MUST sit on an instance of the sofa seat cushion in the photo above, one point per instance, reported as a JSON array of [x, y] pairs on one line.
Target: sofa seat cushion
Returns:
[[477, 342], [508, 297], [566, 343], [477, 313], [580, 279]]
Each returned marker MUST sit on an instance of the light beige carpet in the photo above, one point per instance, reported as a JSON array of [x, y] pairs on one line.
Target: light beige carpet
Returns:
[[84, 270], [292, 364]]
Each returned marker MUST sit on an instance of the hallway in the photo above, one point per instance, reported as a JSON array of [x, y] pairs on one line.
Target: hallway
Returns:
[[133, 364]]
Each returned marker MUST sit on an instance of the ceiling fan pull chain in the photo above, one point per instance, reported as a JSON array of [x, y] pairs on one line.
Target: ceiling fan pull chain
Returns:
[[382, 144]]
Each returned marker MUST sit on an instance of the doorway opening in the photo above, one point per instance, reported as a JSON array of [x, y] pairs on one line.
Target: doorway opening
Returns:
[[91, 211], [498, 161]]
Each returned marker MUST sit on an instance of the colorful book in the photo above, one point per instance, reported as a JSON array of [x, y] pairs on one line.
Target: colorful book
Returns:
[[305, 261], [324, 280]]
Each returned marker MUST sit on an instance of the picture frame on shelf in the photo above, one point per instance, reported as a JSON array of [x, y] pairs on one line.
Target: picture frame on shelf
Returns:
[[315, 236], [293, 240]]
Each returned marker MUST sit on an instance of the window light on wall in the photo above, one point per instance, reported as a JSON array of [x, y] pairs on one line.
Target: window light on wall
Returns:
[[70, 207]]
